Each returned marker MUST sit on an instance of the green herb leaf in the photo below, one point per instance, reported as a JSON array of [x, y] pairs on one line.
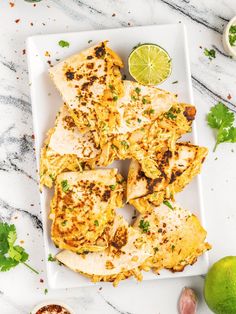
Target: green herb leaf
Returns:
[[137, 90], [115, 98], [210, 53], [45, 291], [125, 144], [65, 186], [51, 258], [144, 225], [221, 119], [96, 223], [11, 255], [63, 43], [112, 187], [167, 203]]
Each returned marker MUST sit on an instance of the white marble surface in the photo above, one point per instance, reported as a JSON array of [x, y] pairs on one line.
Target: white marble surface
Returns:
[[20, 289]]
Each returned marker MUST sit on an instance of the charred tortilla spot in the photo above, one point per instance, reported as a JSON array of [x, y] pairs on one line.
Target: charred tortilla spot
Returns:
[[190, 113], [120, 238], [151, 184], [70, 75], [100, 51], [85, 86], [106, 195], [89, 57], [90, 66]]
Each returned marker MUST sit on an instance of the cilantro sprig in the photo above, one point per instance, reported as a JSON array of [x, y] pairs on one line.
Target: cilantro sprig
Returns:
[[210, 53], [11, 255], [221, 119]]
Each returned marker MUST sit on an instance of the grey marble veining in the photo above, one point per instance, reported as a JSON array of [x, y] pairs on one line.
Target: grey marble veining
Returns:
[[212, 81]]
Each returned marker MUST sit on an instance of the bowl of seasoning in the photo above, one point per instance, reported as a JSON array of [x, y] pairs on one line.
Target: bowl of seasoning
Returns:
[[52, 307], [229, 38]]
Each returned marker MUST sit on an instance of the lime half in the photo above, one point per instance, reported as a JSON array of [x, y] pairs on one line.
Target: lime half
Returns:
[[220, 286], [149, 64]]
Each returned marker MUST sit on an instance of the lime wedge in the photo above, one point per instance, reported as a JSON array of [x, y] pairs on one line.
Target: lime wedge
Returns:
[[149, 64]]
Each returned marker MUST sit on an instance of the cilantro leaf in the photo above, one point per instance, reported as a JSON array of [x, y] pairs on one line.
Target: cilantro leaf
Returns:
[[220, 115], [144, 225], [6, 263], [5, 229], [11, 255], [221, 119], [210, 53], [63, 43]]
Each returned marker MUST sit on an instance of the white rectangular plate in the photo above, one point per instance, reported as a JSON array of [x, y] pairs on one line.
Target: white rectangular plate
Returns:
[[43, 50]]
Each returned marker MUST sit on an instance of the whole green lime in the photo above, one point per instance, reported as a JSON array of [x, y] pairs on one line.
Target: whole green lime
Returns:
[[220, 286]]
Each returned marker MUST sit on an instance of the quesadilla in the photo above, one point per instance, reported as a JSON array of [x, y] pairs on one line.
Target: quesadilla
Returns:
[[66, 149], [144, 143], [176, 235], [128, 249], [84, 81], [82, 206], [139, 106], [176, 170]]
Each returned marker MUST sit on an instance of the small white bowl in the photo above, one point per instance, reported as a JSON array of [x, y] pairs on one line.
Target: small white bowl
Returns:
[[52, 302], [231, 50]]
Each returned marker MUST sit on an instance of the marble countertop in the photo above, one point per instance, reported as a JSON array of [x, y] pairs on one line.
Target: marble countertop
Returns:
[[213, 81]]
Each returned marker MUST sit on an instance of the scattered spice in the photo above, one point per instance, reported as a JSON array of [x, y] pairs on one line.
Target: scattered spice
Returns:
[[229, 97], [96, 223], [113, 14], [45, 291], [23, 51], [11, 4], [17, 21], [175, 82]]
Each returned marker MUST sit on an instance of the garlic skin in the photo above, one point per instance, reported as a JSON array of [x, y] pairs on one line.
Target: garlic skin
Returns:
[[188, 302]]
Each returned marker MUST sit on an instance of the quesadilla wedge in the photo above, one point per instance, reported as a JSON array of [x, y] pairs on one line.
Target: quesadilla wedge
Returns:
[[177, 237], [139, 106], [83, 81], [66, 149], [176, 171], [145, 143], [82, 206], [128, 249]]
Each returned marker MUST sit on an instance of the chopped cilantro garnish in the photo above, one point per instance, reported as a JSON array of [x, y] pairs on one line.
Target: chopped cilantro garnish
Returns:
[[156, 249], [65, 186], [112, 187], [133, 98], [232, 35], [167, 203], [111, 87], [64, 223], [210, 53], [170, 115], [138, 90], [96, 223], [125, 144], [139, 120], [144, 225], [144, 100], [113, 146], [151, 111], [172, 248], [115, 98], [45, 291], [63, 43], [51, 258], [52, 176]]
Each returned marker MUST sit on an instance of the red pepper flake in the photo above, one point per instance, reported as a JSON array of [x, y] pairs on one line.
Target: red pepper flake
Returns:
[[32, 136], [23, 51], [31, 204], [31, 23], [113, 14], [41, 280], [17, 21], [11, 4], [34, 5], [128, 24], [229, 97]]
